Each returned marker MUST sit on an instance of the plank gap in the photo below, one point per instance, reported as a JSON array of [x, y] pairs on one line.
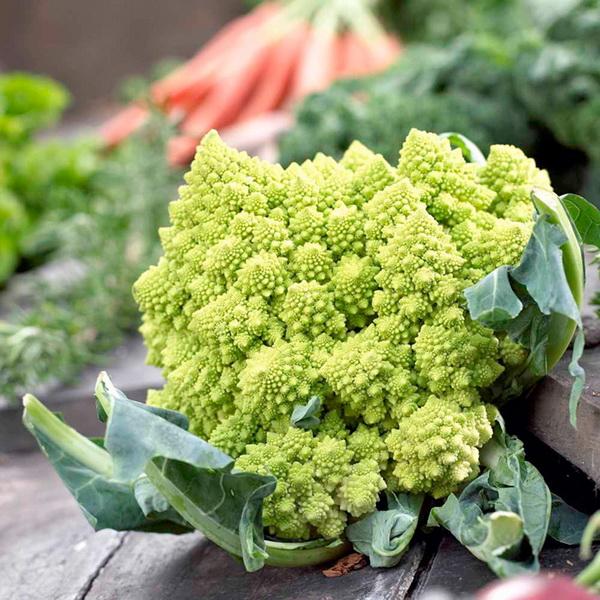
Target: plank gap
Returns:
[[432, 545], [86, 588]]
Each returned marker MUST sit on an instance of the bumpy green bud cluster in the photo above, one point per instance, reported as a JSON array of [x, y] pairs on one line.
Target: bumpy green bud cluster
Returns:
[[343, 280], [319, 481], [437, 446]]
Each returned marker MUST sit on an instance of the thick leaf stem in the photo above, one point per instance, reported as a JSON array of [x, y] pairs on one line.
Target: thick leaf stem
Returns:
[[590, 576], [287, 554], [562, 328], [72, 443]]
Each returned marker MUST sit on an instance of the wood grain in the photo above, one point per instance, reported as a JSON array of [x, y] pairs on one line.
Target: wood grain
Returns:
[[47, 548], [457, 571], [154, 567], [546, 414]]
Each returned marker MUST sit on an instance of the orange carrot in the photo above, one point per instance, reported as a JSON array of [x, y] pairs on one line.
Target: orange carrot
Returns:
[[211, 55], [255, 64], [278, 76], [124, 123], [381, 51], [253, 133], [232, 89], [340, 49], [355, 57], [180, 150], [188, 97], [316, 67]]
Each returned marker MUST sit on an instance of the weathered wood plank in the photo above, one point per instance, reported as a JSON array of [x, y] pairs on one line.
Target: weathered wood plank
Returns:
[[47, 549], [457, 571], [154, 567], [546, 415]]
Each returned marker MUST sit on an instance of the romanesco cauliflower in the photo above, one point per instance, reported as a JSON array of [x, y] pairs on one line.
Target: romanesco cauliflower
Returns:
[[343, 280]]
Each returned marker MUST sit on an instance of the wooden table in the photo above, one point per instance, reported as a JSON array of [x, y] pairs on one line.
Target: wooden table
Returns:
[[48, 551]]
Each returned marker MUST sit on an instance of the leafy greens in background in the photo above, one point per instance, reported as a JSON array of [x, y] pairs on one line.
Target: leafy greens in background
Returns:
[[55, 324], [28, 103], [522, 72], [464, 86], [34, 176]]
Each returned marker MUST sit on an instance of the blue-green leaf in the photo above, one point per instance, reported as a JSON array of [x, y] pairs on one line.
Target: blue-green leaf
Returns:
[[305, 416], [149, 462], [585, 217], [492, 301], [385, 535], [566, 523], [86, 470], [502, 516], [536, 302], [542, 273]]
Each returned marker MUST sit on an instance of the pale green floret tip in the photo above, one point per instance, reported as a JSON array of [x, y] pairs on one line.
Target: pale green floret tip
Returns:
[[436, 449], [342, 280]]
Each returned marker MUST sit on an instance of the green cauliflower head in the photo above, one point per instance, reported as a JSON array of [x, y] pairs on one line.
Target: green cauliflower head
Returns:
[[343, 280]]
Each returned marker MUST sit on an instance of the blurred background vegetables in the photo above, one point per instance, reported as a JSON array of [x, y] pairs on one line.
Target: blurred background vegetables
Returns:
[[523, 72], [99, 231], [262, 62], [28, 104], [465, 86]]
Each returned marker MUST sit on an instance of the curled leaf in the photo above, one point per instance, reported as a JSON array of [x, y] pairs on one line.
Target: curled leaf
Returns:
[[470, 150], [502, 516], [537, 302], [305, 416], [150, 462], [384, 535]]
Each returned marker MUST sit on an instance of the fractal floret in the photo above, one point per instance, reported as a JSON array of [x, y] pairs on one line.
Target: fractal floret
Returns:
[[343, 281]]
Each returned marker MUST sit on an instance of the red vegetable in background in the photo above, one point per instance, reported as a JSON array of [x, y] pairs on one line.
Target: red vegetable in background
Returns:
[[259, 63], [535, 587], [548, 586]]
